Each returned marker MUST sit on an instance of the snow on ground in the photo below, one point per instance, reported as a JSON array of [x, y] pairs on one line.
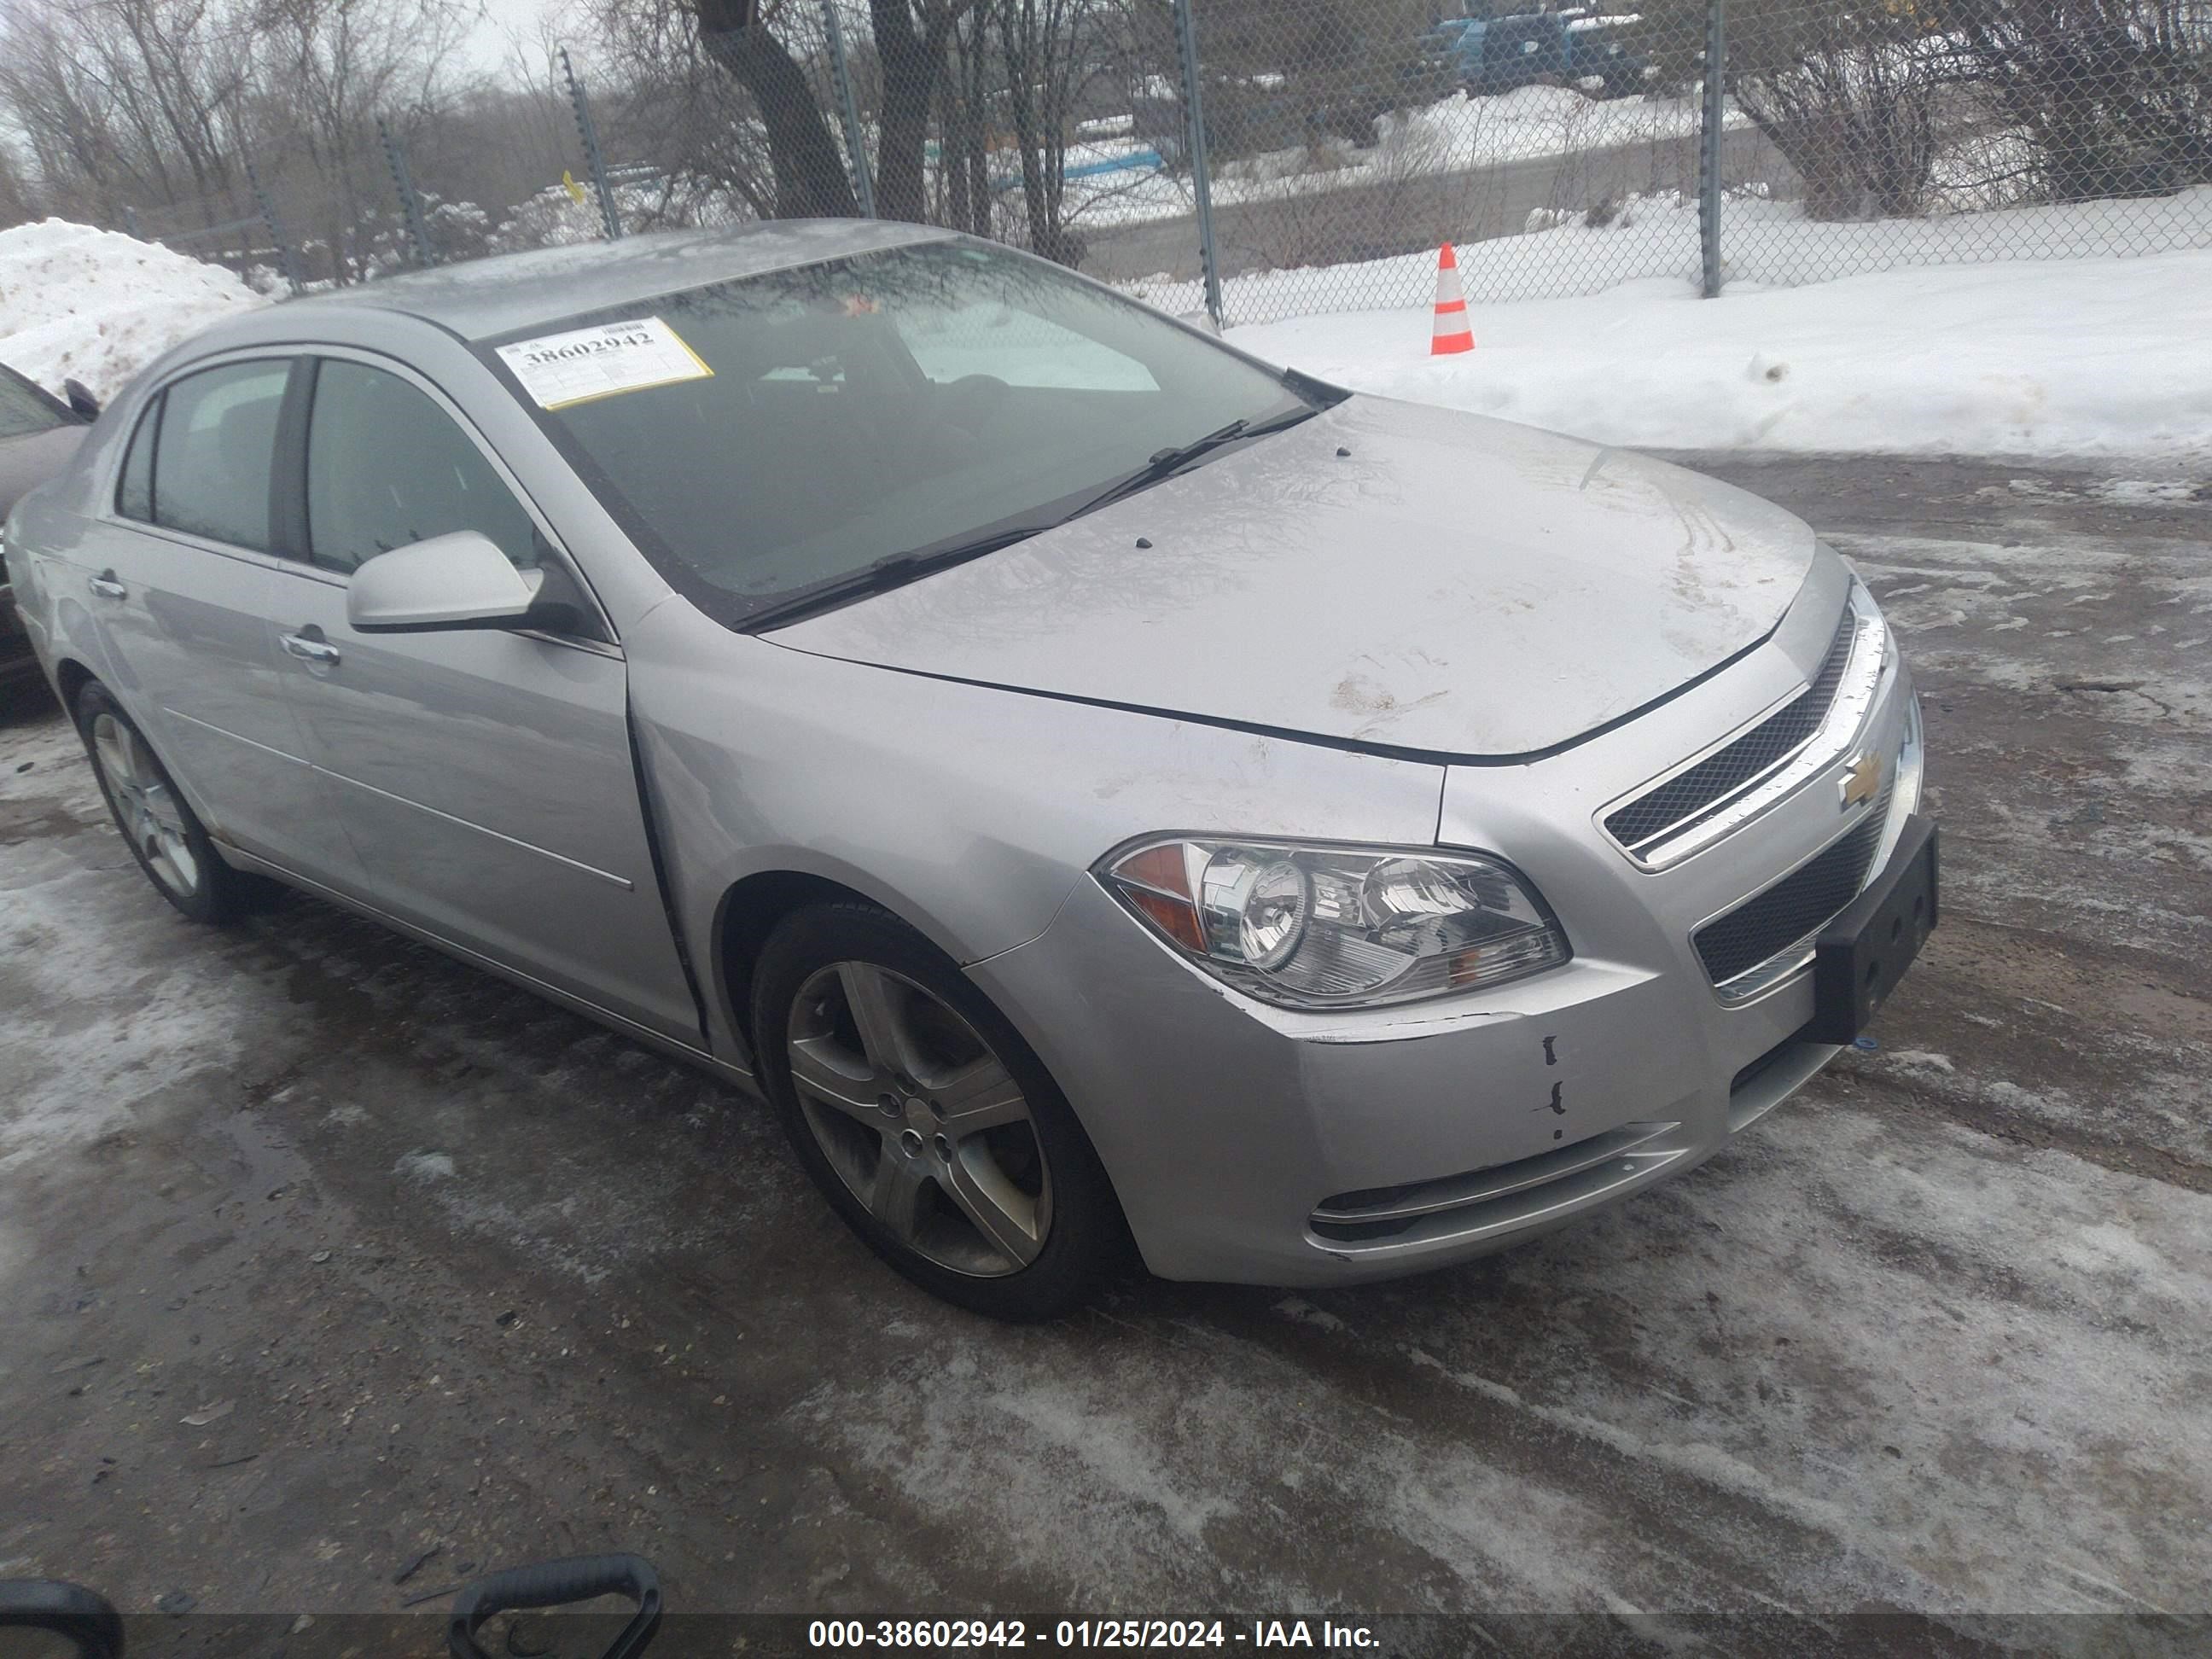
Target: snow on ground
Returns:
[[97, 305], [2020, 356], [1762, 241], [82, 1079]]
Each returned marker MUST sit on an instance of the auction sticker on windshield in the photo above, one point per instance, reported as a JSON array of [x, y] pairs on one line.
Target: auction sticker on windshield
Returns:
[[605, 361]]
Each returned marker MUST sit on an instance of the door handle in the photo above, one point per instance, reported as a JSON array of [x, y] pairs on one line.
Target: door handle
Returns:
[[309, 649], [106, 587]]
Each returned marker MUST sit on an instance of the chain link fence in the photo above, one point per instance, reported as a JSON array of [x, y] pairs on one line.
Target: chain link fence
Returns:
[[1569, 149], [1260, 158]]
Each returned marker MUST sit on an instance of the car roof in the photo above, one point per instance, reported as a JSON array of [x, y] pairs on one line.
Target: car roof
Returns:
[[483, 299]]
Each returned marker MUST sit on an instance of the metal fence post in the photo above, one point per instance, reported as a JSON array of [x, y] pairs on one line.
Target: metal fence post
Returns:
[[1712, 117], [284, 254], [1201, 180], [610, 220], [410, 204], [864, 186]]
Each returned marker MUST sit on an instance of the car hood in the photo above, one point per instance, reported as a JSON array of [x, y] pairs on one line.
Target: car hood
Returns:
[[1386, 574]]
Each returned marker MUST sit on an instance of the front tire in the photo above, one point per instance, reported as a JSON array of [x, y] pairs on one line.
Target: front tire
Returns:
[[164, 834], [927, 1121]]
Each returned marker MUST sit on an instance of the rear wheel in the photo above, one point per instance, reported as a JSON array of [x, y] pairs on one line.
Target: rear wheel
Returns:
[[927, 1121], [164, 836]]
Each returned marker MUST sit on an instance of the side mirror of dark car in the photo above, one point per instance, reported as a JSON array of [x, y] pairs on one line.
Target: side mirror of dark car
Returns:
[[82, 403], [460, 580]]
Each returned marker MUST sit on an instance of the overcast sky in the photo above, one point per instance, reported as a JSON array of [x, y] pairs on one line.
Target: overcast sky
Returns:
[[487, 47]]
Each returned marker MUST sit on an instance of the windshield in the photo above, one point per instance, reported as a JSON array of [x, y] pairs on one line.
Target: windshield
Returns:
[[763, 436]]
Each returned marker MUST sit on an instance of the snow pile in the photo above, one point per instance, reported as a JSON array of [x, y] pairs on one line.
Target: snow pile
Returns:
[[2074, 357], [1762, 240], [97, 305]]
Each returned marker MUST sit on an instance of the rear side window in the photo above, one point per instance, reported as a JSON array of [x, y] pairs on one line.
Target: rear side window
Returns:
[[134, 495], [387, 468], [212, 462]]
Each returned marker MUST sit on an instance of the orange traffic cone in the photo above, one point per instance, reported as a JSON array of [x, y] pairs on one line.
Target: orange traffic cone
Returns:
[[1452, 332]]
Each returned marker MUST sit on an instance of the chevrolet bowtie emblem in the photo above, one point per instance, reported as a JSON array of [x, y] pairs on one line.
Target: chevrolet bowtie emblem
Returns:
[[1862, 783]]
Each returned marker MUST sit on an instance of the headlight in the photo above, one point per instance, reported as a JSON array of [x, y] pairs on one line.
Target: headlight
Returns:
[[1338, 927]]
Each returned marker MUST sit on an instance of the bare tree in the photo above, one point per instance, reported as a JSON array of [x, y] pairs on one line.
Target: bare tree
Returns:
[[811, 180], [18, 200], [1041, 50], [2113, 97], [912, 38], [126, 103], [327, 70]]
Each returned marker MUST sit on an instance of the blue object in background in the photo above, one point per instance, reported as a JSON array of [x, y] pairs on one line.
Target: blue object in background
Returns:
[[1144, 161]]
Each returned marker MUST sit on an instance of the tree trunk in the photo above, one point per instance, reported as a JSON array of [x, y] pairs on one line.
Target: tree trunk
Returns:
[[1034, 51], [974, 157], [811, 180], [952, 164], [907, 59]]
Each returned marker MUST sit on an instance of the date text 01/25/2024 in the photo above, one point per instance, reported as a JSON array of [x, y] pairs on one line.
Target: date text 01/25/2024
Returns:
[[988, 1634]]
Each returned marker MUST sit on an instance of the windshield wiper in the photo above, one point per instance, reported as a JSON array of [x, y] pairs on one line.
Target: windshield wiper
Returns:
[[1166, 463], [886, 574]]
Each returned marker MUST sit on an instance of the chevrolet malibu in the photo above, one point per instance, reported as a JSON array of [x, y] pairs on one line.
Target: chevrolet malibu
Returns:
[[1099, 787]]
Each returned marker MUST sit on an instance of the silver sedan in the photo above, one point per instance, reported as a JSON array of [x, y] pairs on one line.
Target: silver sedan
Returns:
[[1103, 790]]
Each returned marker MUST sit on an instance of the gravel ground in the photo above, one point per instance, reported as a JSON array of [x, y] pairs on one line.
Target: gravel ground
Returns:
[[318, 1249]]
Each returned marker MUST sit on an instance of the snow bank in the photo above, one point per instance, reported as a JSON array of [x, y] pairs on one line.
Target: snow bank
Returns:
[[98, 305], [2060, 357], [1761, 241]]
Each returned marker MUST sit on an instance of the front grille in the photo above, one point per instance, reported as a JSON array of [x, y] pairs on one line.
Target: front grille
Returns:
[[1787, 914], [1722, 773]]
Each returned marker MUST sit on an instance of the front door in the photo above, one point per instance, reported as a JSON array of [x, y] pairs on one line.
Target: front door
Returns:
[[483, 776]]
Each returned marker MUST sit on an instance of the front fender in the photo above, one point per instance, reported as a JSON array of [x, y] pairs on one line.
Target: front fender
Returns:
[[969, 811]]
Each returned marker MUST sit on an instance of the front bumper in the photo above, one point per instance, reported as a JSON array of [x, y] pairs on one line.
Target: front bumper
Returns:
[[1259, 1145]]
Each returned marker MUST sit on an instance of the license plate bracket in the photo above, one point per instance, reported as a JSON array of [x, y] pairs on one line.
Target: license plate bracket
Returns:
[[1865, 949]]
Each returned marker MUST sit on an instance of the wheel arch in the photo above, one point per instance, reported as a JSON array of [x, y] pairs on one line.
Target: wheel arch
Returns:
[[749, 912], [752, 906], [71, 678]]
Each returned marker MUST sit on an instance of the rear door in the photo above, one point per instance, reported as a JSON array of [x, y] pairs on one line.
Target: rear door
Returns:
[[483, 776], [180, 578]]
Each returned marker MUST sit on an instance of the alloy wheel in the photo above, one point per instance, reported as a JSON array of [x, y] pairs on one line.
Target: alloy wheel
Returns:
[[920, 1119], [145, 805]]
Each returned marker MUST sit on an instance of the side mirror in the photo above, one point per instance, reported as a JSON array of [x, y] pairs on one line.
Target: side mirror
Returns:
[[457, 580], [82, 403]]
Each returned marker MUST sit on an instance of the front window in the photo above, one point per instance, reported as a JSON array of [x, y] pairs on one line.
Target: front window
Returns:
[[387, 468], [766, 436]]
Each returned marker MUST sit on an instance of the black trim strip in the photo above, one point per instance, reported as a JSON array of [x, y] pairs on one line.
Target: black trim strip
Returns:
[[287, 468], [660, 871], [1317, 739]]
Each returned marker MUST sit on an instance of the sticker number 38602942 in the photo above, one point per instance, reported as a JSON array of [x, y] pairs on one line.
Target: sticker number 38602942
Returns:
[[605, 361]]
